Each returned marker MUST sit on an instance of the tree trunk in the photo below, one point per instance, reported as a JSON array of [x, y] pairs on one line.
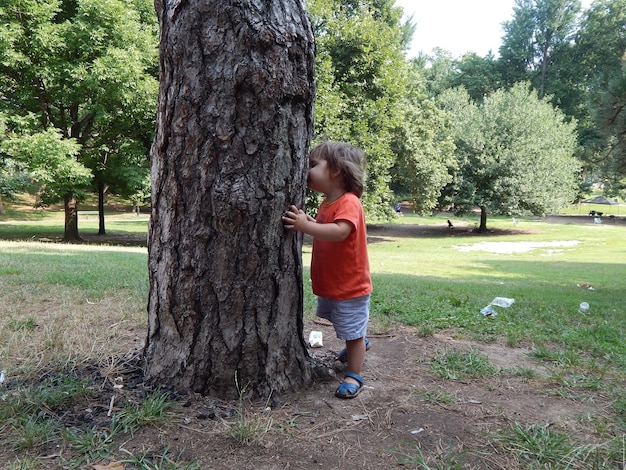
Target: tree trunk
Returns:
[[234, 124], [101, 197], [482, 228], [544, 70], [70, 234]]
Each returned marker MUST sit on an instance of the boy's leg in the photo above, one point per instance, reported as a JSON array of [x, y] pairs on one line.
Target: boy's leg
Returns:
[[356, 357]]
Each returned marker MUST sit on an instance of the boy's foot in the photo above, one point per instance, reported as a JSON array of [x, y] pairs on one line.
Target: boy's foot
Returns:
[[350, 389]]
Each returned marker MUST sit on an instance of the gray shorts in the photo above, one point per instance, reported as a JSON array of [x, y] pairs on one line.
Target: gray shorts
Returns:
[[349, 317]]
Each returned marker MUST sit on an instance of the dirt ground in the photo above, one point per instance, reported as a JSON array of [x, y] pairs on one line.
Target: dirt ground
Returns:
[[399, 415], [396, 417]]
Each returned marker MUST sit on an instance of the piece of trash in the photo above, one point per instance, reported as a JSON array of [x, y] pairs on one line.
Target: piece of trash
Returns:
[[583, 307], [2, 373], [585, 285], [502, 302], [315, 339], [417, 431], [488, 311]]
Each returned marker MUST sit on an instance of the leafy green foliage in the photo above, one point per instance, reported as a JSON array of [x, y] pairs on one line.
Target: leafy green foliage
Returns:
[[537, 32], [514, 154], [608, 106], [577, 62], [52, 162], [84, 72], [361, 75], [480, 76], [423, 147], [601, 39]]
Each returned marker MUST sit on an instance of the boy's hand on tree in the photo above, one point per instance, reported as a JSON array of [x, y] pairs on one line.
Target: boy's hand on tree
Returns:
[[296, 219]]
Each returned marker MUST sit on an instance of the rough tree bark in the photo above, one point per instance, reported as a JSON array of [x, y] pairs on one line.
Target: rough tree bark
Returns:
[[235, 118]]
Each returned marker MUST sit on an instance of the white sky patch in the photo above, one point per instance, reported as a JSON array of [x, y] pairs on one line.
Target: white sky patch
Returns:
[[505, 248], [459, 26]]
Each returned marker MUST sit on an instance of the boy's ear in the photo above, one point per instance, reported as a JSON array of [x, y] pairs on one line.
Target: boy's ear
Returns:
[[335, 173]]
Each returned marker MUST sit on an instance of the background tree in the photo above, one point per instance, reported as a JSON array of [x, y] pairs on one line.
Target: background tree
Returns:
[[514, 152], [13, 175], [54, 170], [439, 69], [597, 62], [234, 124], [609, 116], [85, 68], [536, 35], [480, 76], [13, 179], [601, 39], [517, 51], [361, 75], [423, 147]]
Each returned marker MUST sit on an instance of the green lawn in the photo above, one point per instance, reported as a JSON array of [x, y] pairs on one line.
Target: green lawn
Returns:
[[71, 305]]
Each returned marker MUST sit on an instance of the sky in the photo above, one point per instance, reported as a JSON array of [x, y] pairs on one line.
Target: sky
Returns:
[[459, 26]]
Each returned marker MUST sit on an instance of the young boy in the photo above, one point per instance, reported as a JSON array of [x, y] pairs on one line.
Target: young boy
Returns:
[[340, 272]]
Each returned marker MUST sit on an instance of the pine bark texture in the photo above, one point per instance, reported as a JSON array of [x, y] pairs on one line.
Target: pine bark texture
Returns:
[[235, 119]]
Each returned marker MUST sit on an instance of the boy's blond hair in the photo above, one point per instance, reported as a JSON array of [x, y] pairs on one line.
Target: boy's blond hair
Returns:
[[349, 160]]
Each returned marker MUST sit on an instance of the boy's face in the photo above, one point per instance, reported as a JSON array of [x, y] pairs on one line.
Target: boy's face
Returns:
[[318, 178]]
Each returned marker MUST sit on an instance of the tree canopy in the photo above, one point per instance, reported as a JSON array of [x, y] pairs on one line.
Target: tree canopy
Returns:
[[514, 154], [423, 147], [361, 74], [539, 30], [89, 70]]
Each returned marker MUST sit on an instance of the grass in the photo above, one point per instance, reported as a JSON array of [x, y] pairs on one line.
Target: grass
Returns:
[[245, 426], [443, 459], [541, 446], [49, 292], [458, 365], [440, 286], [150, 461]]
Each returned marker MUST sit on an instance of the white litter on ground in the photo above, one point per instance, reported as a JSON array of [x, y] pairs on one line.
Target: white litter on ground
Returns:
[[514, 247]]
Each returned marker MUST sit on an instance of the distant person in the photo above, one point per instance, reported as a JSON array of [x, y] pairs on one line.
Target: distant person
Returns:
[[399, 209], [340, 271]]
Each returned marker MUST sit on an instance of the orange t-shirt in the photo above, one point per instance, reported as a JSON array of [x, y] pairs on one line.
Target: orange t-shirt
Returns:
[[340, 270]]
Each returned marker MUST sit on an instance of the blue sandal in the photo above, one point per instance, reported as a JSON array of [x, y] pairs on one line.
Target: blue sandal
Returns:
[[348, 389], [342, 356]]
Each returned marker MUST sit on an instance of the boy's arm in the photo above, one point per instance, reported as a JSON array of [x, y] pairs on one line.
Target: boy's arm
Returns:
[[296, 219]]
